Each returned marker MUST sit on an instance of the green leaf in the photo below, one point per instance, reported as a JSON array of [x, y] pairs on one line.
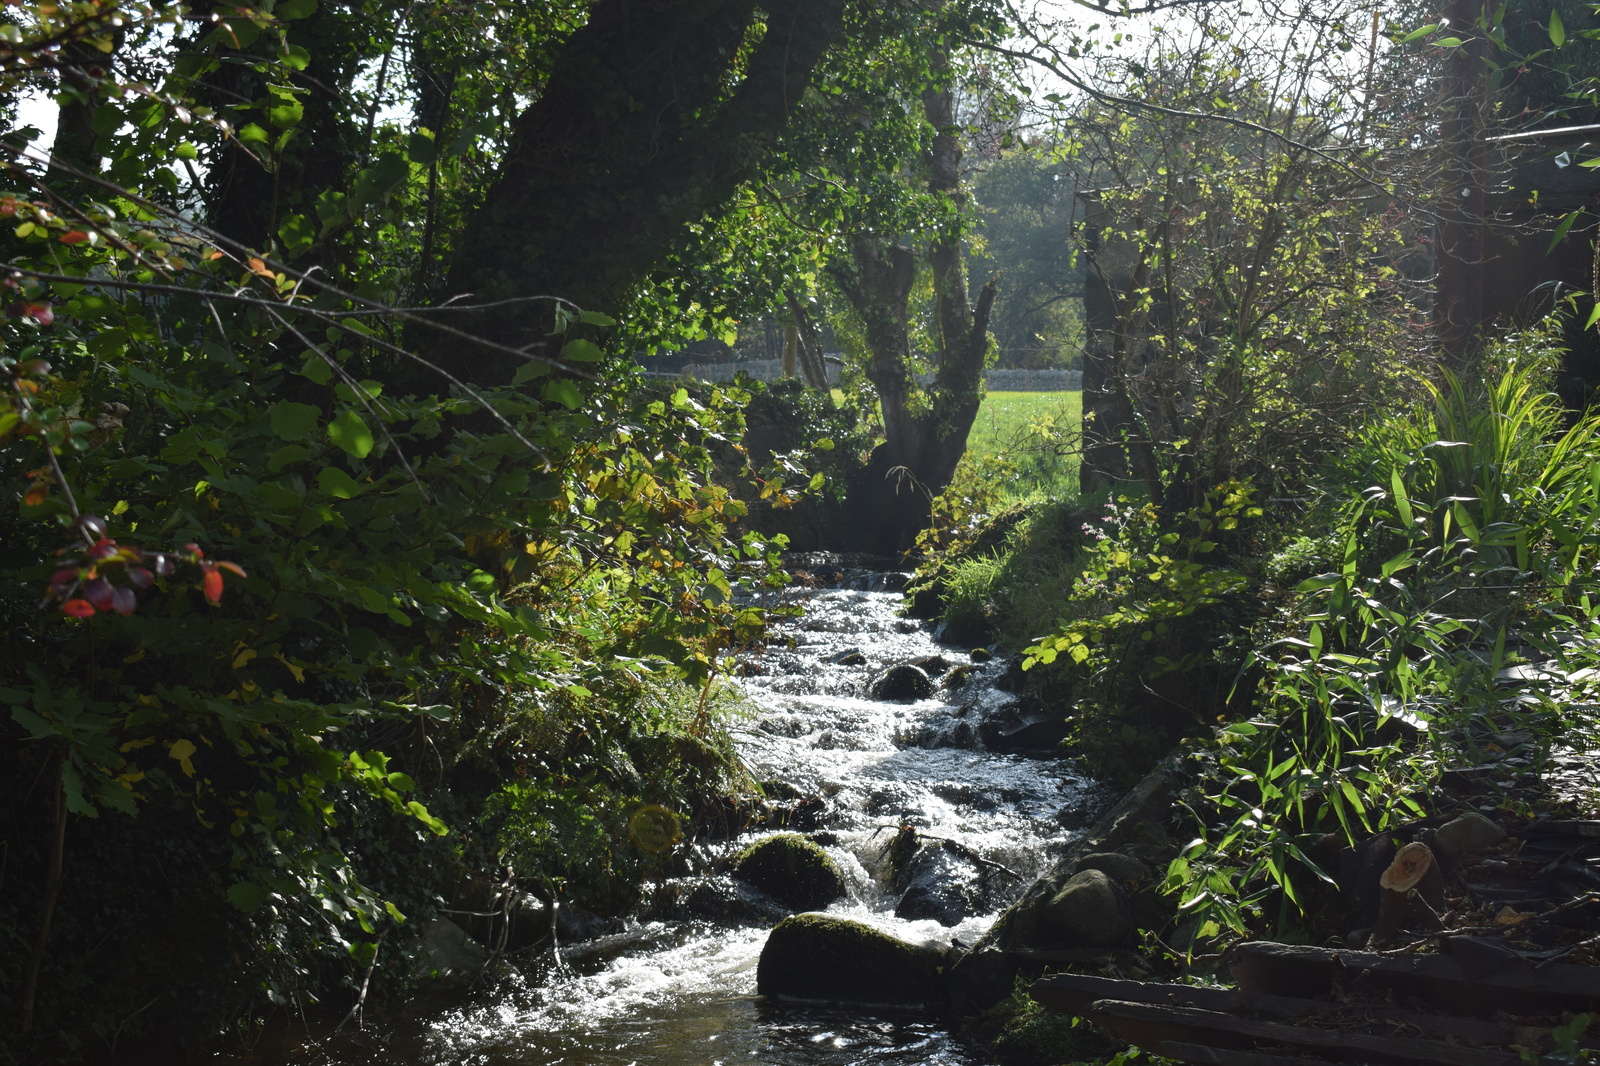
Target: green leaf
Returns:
[[335, 482], [1558, 32], [317, 369], [564, 392], [402, 782], [595, 318], [285, 111], [421, 149], [528, 371], [289, 453], [250, 133], [1594, 316], [1419, 32], [1566, 223], [350, 432], [294, 9], [296, 58], [295, 421], [248, 896], [298, 234], [582, 351], [1449, 42]]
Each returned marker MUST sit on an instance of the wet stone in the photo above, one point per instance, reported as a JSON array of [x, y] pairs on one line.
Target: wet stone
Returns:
[[902, 682], [1023, 727], [944, 886]]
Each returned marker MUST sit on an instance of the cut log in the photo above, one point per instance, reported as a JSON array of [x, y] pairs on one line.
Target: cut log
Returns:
[[1153, 1025], [1434, 980], [1411, 894]]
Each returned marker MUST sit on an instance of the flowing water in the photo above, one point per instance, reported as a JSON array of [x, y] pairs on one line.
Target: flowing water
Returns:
[[684, 991]]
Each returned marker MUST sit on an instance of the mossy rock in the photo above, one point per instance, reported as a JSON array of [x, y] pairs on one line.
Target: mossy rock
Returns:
[[819, 958], [792, 870]]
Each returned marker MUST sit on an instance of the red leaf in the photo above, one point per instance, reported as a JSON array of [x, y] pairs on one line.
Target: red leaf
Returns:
[[141, 577], [62, 580], [213, 586], [74, 236], [233, 567], [123, 601], [77, 608], [41, 313]]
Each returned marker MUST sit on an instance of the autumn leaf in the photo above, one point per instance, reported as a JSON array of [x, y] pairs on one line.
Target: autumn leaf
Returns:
[[181, 750]]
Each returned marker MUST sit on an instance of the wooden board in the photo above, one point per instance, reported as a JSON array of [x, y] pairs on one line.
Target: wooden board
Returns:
[[1439, 981], [1074, 993], [1154, 1025]]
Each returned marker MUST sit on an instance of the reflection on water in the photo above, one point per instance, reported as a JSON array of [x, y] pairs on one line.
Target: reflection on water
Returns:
[[684, 992]]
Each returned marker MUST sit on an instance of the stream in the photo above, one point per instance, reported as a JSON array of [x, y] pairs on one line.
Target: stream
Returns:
[[680, 989]]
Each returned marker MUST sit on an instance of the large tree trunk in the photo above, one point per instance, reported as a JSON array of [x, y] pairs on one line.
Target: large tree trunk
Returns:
[[636, 134], [890, 502]]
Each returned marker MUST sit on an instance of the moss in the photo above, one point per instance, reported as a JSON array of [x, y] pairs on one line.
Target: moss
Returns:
[[818, 957], [1019, 1032], [792, 870]]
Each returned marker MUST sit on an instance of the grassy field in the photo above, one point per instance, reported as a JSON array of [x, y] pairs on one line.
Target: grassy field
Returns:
[[1036, 432]]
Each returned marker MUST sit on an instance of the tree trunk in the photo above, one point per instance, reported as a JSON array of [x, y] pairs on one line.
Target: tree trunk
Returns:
[[890, 502], [635, 135]]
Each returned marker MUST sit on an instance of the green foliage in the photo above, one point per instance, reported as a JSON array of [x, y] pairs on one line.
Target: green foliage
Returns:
[[305, 759], [1026, 212], [1464, 533], [1137, 636]]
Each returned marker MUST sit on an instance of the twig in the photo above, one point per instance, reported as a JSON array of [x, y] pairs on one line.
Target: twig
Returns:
[[366, 983]]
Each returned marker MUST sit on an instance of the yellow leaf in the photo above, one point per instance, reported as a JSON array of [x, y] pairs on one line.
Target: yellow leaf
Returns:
[[181, 750], [135, 744], [135, 657], [299, 674], [243, 657], [127, 780]]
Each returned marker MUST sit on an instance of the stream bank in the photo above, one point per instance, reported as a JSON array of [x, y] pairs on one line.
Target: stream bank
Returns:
[[677, 981]]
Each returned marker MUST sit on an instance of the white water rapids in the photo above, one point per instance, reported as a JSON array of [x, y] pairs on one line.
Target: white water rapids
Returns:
[[684, 992]]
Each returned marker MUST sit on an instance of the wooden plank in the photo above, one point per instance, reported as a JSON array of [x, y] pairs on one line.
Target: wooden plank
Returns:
[[1437, 980], [1073, 993], [1562, 827], [1210, 1056], [1151, 1024]]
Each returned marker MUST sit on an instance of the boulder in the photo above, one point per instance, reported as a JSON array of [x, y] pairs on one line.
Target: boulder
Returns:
[[1467, 835], [449, 955], [1088, 912], [1116, 865], [1023, 727], [792, 870], [902, 682], [823, 959]]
